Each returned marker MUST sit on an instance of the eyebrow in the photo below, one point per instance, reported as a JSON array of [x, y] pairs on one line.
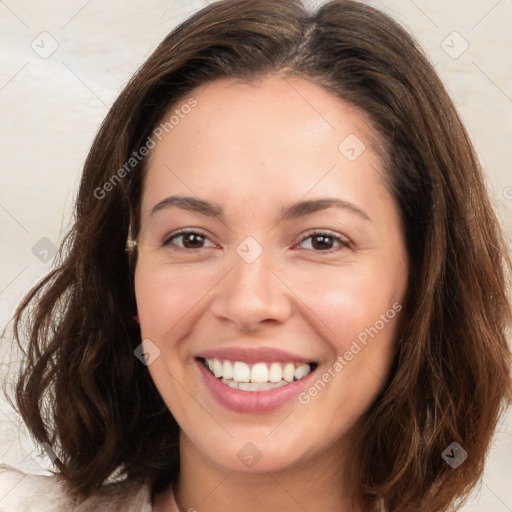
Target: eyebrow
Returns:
[[292, 211]]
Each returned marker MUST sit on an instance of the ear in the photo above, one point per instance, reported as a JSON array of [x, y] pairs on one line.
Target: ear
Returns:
[[136, 318]]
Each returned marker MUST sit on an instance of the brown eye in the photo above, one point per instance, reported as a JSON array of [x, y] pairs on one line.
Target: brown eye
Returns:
[[189, 240], [322, 241]]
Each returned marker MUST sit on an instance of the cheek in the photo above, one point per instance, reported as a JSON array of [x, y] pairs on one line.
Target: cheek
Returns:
[[164, 297], [346, 303], [363, 322], [361, 310], [163, 300]]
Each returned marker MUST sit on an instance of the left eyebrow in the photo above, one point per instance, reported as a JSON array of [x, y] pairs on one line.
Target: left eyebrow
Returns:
[[302, 208], [292, 211]]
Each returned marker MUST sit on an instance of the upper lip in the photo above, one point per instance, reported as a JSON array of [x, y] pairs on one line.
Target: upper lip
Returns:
[[253, 355]]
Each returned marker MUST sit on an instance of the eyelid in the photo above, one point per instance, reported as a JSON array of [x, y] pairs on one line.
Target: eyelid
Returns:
[[344, 242], [184, 231], [341, 239]]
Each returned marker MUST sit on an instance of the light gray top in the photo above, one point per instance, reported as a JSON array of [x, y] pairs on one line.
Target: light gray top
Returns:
[[24, 492]]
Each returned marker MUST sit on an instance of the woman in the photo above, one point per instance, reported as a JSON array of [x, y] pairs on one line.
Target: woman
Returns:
[[285, 286]]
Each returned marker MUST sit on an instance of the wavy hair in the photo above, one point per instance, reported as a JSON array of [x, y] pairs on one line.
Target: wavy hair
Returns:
[[82, 390]]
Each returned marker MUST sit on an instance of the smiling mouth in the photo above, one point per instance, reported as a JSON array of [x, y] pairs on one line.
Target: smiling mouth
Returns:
[[260, 376]]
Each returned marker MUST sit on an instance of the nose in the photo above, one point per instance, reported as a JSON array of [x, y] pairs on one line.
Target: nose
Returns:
[[251, 294]]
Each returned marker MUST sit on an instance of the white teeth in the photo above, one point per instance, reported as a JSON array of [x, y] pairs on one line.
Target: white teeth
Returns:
[[217, 368], [227, 370], [253, 386], [289, 372], [275, 374], [301, 371], [241, 372], [259, 377], [259, 373]]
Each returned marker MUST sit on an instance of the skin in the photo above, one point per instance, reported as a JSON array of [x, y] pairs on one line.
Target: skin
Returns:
[[253, 149]]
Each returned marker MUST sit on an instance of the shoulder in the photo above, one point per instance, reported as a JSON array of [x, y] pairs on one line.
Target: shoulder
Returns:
[[19, 490], [25, 492]]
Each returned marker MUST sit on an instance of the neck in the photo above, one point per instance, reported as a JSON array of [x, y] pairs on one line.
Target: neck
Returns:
[[315, 484]]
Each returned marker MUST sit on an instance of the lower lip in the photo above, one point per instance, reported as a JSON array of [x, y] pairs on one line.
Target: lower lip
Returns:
[[253, 402]]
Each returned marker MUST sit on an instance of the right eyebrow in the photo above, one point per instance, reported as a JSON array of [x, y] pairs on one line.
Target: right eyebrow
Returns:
[[189, 203]]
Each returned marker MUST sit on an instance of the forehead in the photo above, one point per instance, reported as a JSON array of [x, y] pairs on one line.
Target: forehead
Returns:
[[271, 138], [267, 104]]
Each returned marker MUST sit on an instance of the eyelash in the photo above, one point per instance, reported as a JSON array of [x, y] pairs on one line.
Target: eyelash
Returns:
[[344, 244]]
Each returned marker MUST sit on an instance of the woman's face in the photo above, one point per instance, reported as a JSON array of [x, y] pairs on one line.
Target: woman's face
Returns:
[[291, 273]]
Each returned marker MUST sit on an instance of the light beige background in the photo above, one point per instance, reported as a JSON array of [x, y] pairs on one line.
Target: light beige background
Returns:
[[52, 105]]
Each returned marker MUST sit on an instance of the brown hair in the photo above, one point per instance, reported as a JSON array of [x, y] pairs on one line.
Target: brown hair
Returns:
[[450, 379]]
